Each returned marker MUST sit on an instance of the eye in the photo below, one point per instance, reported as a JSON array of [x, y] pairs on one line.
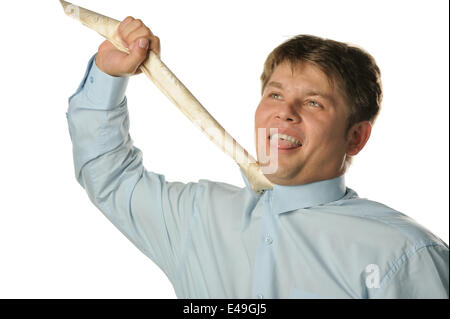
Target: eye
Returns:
[[314, 104], [275, 96]]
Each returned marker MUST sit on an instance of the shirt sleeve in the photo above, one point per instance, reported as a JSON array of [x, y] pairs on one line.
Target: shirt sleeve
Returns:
[[152, 213], [423, 275]]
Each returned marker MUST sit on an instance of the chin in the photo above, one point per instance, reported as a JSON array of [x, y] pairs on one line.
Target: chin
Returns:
[[283, 176]]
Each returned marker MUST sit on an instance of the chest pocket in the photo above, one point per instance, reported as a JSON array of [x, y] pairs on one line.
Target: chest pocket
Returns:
[[296, 293]]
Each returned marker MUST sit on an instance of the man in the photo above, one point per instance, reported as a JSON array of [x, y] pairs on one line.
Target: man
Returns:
[[308, 237]]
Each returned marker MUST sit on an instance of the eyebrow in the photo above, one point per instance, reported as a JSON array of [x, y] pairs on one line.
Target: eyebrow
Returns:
[[275, 84], [308, 93]]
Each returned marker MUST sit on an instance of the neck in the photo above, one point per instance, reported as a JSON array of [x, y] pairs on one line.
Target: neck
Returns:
[[302, 179]]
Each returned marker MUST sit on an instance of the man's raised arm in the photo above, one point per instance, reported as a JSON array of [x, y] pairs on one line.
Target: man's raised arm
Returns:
[[109, 167]]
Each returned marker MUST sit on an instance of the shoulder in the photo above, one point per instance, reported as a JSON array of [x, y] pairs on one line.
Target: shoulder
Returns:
[[384, 217], [406, 253], [420, 272]]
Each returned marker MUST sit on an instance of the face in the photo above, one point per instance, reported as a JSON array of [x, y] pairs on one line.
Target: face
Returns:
[[310, 114]]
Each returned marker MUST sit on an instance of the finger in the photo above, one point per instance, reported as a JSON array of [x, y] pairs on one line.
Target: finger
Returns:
[[142, 32], [129, 28], [155, 45], [137, 55], [125, 22], [121, 27]]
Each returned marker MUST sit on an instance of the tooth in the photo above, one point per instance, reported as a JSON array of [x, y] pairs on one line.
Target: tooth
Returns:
[[287, 138]]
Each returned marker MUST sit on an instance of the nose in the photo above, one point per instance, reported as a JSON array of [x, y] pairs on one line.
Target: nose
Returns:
[[288, 112]]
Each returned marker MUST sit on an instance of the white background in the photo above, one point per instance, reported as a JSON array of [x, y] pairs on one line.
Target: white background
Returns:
[[55, 244]]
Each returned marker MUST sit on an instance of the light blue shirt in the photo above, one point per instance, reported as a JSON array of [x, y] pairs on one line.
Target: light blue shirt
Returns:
[[215, 240]]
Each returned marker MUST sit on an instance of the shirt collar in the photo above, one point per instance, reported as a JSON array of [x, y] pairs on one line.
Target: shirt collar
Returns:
[[289, 198]]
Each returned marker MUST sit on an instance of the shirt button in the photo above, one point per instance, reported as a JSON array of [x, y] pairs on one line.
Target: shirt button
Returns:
[[260, 296], [91, 79], [268, 240]]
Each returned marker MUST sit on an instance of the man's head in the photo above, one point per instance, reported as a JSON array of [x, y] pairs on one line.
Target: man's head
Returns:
[[327, 95]]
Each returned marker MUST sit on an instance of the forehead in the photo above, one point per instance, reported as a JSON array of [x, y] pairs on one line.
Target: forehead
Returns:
[[304, 74]]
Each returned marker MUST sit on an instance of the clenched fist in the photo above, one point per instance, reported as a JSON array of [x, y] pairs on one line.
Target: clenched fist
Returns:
[[136, 37]]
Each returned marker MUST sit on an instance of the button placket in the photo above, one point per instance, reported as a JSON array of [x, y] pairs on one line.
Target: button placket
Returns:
[[264, 263]]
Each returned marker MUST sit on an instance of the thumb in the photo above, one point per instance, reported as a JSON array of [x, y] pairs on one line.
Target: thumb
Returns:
[[138, 54]]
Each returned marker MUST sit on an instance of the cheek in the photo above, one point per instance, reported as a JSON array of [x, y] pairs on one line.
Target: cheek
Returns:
[[260, 116], [258, 121], [326, 134]]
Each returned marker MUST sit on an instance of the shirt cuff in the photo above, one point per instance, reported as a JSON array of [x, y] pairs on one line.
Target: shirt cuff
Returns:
[[104, 90]]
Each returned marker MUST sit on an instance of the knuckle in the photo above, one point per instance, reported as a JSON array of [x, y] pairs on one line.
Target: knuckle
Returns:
[[147, 31], [139, 22], [125, 21], [103, 45]]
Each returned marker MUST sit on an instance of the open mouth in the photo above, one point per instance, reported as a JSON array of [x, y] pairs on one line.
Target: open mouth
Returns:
[[286, 142]]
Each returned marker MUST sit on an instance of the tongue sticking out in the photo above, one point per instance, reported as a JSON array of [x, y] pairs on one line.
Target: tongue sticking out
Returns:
[[284, 144]]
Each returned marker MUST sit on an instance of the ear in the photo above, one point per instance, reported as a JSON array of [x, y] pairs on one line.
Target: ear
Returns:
[[357, 137]]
